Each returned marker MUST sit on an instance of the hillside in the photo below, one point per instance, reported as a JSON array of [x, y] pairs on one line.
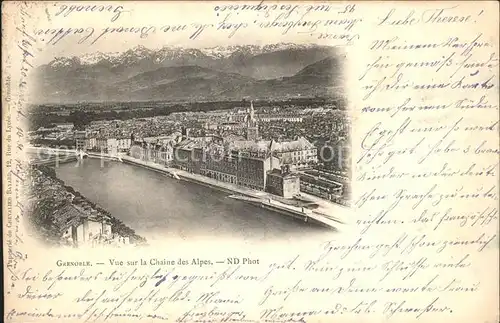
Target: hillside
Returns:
[[142, 74]]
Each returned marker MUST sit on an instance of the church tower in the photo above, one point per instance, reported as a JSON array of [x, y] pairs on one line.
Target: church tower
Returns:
[[252, 127], [252, 116]]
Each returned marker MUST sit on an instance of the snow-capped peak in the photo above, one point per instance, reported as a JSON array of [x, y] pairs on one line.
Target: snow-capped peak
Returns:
[[226, 51], [284, 46], [140, 52], [64, 62], [94, 58]]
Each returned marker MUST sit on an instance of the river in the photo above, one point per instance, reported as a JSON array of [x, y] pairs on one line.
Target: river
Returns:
[[156, 206]]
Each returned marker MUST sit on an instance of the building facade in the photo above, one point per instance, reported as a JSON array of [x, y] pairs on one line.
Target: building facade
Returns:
[[80, 138], [321, 187], [218, 164], [298, 154], [107, 145], [242, 163], [92, 229], [91, 143], [281, 182], [161, 153], [123, 144], [188, 154], [112, 145], [253, 167]]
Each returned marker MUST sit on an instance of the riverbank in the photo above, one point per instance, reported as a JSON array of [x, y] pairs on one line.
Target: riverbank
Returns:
[[58, 212], [324, 214], [195, 178], [305, 207]]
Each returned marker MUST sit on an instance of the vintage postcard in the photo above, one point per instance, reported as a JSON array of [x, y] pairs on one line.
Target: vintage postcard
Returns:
[[197, 161]]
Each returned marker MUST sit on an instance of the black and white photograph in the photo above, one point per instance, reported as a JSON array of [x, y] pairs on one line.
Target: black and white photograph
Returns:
[[251, 162], [248, 142]]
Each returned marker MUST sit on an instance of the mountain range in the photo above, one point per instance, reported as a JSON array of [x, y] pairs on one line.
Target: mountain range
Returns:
[[177, 74]]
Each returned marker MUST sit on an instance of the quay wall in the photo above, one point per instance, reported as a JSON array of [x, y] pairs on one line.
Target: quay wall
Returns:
[[186, 177], [280, 208]]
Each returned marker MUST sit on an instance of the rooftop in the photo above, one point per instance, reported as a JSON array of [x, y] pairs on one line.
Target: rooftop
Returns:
[[192, 143], [66, 216], [300, 144], [281, 173]]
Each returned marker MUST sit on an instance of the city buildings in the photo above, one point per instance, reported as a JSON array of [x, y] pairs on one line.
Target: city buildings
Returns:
[[240, 146], [218, 163], [91, 143], [80, 140], [253, 167], [321, 187], [269, 117], [282, 182], [123, 144], [244, 163], [91, 229], [187, 154], [108, 145], [65, 125], [298, 154], [154, 150]]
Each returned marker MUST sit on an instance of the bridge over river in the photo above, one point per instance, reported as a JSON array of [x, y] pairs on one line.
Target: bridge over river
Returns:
[[49, 155]]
